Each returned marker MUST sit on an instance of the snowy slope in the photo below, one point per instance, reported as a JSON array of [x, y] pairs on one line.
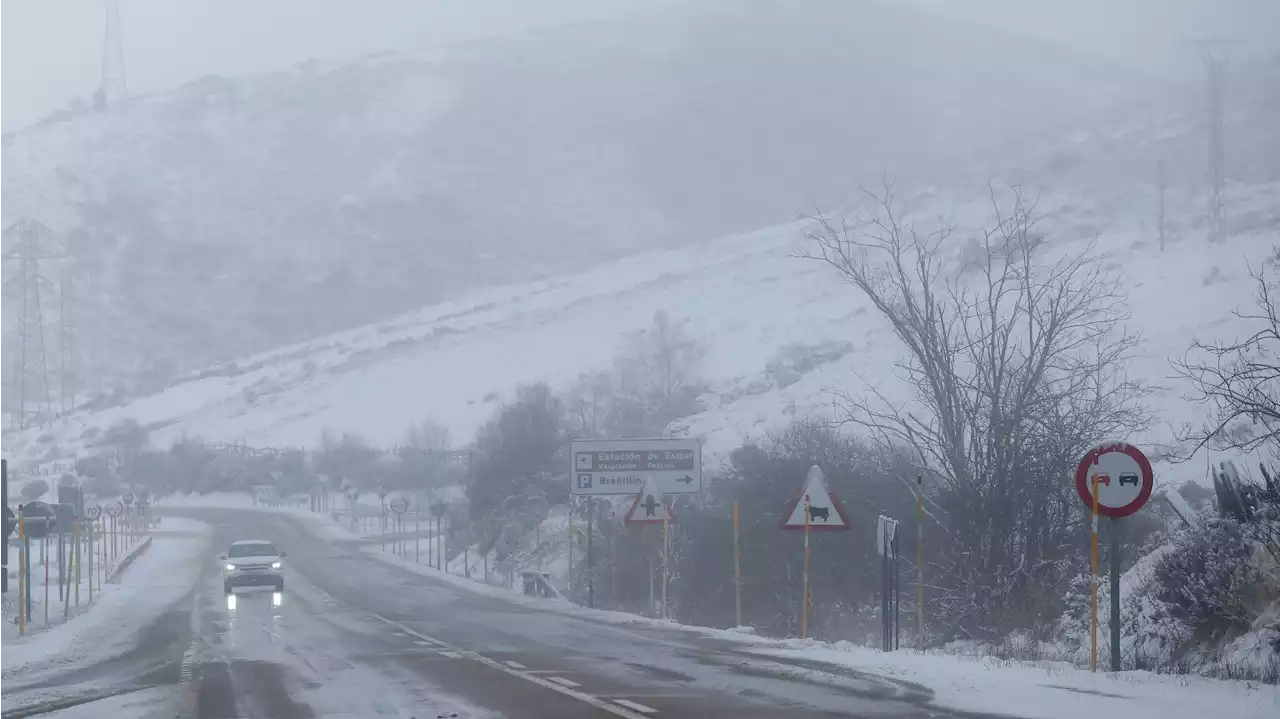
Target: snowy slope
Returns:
[[746, 297], [233, 214]]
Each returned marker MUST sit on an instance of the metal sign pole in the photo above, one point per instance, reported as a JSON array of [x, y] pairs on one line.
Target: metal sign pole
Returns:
[[1093, 602], [804, 593], [417, 526], [24, 582], [75, 557], [1115, 595], [737, 570], [591, 576], [666, 554]]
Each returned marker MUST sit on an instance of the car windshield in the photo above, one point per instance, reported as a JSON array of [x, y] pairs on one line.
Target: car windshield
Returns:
[[253, 549]]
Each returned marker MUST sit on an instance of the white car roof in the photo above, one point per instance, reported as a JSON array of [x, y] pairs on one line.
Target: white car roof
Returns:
[[251, 541]]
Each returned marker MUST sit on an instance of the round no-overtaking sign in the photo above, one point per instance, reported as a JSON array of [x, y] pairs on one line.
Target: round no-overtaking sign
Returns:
[[1124, 476]]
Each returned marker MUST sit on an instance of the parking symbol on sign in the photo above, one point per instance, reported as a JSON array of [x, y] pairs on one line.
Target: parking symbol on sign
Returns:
[[584, 481]]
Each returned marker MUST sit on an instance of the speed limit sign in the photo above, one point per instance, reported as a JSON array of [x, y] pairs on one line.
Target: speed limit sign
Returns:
[[92, 513]]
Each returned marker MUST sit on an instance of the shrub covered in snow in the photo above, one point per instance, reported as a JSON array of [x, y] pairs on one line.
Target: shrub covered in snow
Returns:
[[1209, 581]]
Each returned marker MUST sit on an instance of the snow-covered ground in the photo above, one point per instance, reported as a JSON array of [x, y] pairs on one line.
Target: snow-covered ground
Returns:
[[754, 305], [155, 580], [1033, 690]]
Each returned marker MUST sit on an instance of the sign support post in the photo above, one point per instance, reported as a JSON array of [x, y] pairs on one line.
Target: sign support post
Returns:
[[23, 580], [804, 593], [666, 553], [75, 557], [737, 569], [591, 570], [1093, 599], [1115, 595]]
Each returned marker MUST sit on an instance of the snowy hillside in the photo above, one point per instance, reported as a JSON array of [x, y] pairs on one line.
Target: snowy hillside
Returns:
[[780, 332], [233, 214]]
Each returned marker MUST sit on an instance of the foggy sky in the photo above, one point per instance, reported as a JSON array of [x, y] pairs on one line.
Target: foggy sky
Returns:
[[50, 50]]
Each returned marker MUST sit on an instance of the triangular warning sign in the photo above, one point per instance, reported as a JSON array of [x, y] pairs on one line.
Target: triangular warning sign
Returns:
[[824, 510], [649, 507]]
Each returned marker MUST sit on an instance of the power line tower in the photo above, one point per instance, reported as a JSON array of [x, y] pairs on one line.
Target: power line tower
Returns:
[[112, 88], [25, 242], [1213, 53]]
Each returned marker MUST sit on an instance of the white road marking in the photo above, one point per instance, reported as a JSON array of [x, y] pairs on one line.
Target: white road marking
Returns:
[[515, 665], [451, 655], [422, 643], [563, 682], [583, 697], [635, 705]]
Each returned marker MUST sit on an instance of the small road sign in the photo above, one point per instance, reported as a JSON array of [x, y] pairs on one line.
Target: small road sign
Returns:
[[382, 492], [127, 498], [1125, 479], [824, 510], [399, 505], [10, 522], [621, 466], [649, 507], [92, 512], [115, 510], [39, 519], [438, 508]]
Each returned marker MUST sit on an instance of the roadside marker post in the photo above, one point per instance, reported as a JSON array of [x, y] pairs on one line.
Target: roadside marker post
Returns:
[[919, 563], [1129, 480]]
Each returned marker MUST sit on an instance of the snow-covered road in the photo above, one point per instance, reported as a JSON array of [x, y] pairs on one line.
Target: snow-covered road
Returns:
[[350, 637]]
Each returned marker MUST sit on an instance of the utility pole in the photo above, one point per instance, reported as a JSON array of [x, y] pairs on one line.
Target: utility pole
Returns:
[[1213, 53], [112, 88], [31, 370]]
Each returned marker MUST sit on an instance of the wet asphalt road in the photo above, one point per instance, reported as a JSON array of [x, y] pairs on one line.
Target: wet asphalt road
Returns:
[[353, 638]]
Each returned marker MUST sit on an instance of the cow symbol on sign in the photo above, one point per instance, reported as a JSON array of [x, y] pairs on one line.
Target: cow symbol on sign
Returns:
[[650, 506]]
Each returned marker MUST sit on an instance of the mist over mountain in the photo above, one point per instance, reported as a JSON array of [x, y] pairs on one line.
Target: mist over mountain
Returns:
[[232, 215]]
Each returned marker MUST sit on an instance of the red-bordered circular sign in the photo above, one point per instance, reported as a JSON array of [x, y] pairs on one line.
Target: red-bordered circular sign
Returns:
[[1125, 479]]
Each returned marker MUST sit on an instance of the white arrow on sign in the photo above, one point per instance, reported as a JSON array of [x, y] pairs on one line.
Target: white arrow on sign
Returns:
[[649, 507], [825, 511]]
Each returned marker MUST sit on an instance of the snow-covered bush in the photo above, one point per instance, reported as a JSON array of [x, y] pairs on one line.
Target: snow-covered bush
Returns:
[[1209, 581]]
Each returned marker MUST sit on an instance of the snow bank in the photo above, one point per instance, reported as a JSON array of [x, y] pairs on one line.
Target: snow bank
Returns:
[[157, 579]]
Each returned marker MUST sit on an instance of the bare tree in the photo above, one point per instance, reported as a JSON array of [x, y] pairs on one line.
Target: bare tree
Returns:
[[1016, 364], [428, 435], [1238, 380]]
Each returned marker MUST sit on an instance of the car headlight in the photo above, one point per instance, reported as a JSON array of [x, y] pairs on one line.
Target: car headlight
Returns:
[[275, 565], [231, 567]]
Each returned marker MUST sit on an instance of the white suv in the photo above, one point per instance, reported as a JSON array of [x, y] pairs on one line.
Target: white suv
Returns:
[[252, 563]]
